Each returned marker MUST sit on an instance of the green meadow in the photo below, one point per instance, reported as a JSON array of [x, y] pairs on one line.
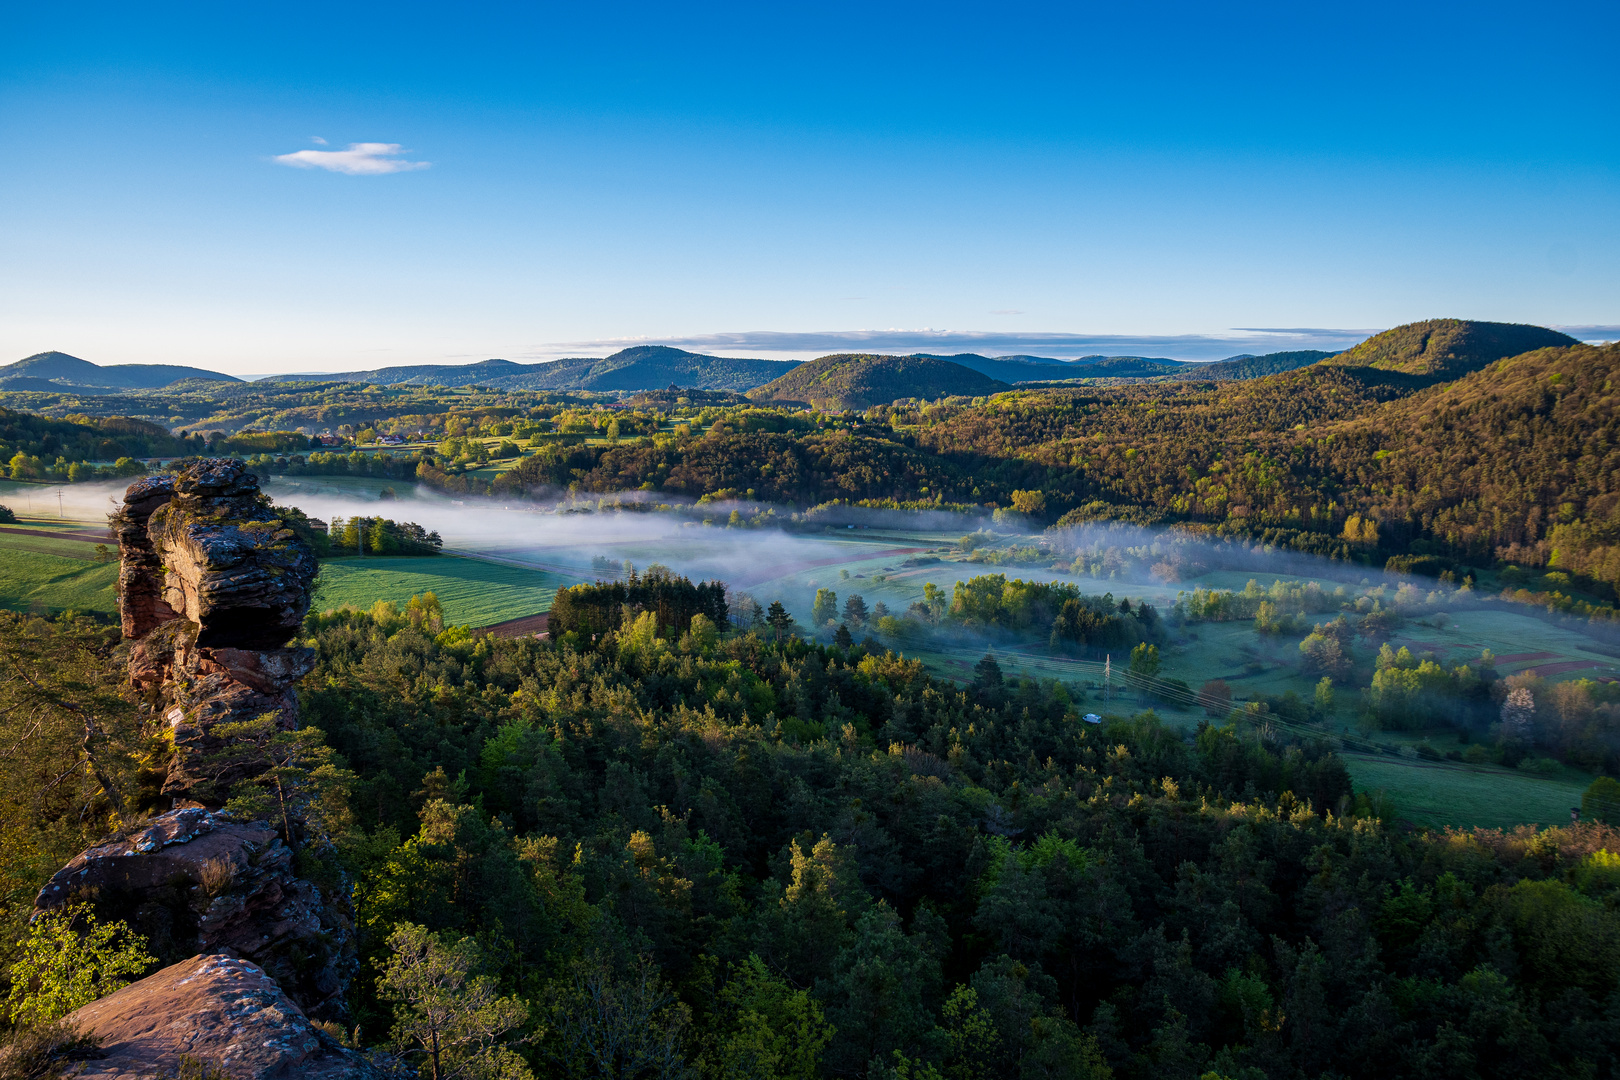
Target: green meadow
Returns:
[[473, 592], [32, 579], [1442, 793]]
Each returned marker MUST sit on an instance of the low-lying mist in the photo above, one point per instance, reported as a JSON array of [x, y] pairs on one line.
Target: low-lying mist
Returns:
[[788, 556]]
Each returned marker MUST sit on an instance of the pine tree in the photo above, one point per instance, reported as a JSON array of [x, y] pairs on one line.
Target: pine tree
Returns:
[[779, 619]]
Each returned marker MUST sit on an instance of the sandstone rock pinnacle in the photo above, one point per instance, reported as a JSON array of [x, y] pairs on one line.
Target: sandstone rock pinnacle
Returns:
[[211, 587]]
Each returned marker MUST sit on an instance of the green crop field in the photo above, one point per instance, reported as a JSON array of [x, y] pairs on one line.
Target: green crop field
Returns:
[[473, 592], [36, 579]]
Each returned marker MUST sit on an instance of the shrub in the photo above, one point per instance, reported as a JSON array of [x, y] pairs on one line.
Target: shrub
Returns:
[[69, 959], [45, 1051]]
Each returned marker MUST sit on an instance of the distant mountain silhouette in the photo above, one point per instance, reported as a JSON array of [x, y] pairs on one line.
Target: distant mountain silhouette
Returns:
[[649, 367], [57, 371], [1016, 369], [1252, 367], [642, 367]]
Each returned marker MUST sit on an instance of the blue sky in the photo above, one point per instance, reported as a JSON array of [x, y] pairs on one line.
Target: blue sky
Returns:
[[788, 180]]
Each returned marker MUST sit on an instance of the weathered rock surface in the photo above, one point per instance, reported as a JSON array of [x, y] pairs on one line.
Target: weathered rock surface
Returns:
[[219, 1009], [140, 571], [211, 587], [195, 881], [231, 567]]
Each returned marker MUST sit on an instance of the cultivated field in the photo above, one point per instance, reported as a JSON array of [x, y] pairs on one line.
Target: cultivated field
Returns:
[[474, 592]]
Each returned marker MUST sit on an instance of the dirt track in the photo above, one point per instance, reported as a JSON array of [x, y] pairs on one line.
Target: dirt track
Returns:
[[527, 625]]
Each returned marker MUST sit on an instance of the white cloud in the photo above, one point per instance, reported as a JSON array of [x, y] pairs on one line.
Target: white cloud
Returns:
[[360, 159], [317, 140]]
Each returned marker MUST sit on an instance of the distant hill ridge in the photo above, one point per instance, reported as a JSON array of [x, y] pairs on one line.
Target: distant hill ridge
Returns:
[[861, 380], [1017, 369], [1433, 349], [641, 367], [57, 371]]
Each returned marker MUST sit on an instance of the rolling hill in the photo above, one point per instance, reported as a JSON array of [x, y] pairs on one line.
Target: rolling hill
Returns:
[[643, 367], [860, 380], [1017, 369], [1253, 367], [1448, 347], [483, 373], [57, 371], [650, 367]]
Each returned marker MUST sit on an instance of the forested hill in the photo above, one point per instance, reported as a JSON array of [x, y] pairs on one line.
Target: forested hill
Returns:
[[1448, 347], [650, 367], [1253, 367], [1021, 369], [861, 380], [643, 367], [1515, 460], [1518, 453], [58, 371]]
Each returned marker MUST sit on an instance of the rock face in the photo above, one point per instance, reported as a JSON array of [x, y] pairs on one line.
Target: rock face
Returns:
[[211, 587], [224, 1011], [193, 880]]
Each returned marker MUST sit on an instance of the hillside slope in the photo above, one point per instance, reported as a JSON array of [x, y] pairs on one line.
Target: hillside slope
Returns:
[[1253, 367], [860, 380], [643, 367], [483, 373], [1018, 369], [58, 371], [1448, 347], [649, 367], [1515, 460]]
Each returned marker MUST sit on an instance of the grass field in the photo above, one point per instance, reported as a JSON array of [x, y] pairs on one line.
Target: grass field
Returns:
[[1438, 793], [31, 578], [473, 592]]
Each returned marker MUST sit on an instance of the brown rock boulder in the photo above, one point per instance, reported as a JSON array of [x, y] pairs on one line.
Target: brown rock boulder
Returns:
[[219, 1009], [193, 880]]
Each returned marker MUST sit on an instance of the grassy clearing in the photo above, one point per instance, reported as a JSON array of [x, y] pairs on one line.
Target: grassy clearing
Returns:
[[473, 592], [1447, 793], [32, 579]]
